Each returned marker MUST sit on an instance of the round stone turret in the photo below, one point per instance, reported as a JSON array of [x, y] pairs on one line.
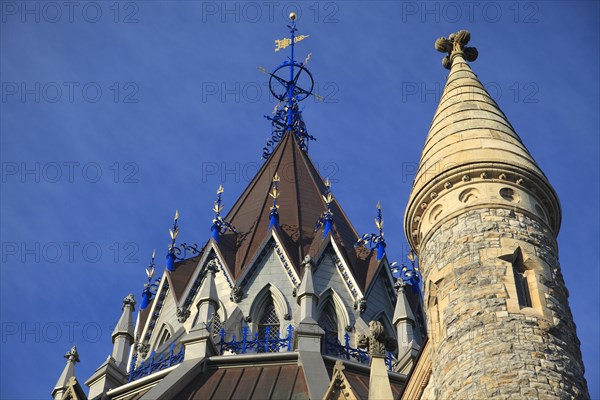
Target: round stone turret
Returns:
[[483, 219]]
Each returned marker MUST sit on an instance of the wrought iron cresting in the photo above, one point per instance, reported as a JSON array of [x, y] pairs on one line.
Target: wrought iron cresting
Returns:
[[256, 344], [154, 364]]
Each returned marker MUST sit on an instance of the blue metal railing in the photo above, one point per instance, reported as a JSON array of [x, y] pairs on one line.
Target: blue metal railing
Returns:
[[153, 364], [334, 348], [267, 344]]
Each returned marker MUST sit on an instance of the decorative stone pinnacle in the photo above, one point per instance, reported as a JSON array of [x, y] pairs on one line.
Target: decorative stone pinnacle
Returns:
[[72, 355], [129, 301], [308, 262], [456, 44], [236, 294], [377, 343], [212, 266]]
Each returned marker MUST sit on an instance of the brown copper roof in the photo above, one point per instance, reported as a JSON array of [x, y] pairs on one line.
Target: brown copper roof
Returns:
[[179, 278], [268, 382], [301, 205]]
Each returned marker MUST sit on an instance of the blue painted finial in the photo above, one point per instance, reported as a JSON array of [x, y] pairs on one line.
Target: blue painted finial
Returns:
[[374, 240], [410, 275], [173, 232], [326, 219], [219, 225], [149, 287], [290, 83], [274, 215]]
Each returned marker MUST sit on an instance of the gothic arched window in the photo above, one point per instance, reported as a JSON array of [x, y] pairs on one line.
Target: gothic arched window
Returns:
[[328, 321], [165, 335], [268, 318]]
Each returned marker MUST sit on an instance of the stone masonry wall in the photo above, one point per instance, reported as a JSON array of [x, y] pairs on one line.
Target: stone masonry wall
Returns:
[[483, 348]]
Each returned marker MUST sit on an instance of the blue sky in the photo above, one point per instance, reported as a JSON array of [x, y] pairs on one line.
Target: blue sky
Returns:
[[116, 114]]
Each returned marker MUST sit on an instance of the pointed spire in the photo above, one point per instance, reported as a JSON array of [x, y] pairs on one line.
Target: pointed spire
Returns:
[[470, 140], [72, 357], [208, 298], [173, 232], [374, 240], [122, 335], [149, 287], [326, 219], [274, 215], [307, 296], [198, 341], [219, 225]]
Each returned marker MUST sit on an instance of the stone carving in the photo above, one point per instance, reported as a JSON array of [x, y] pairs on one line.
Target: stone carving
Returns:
[[248, 319], [456, 44], [294, 292], [182, 314], [72, 354], [466, 178], [308, 262], [128, 301], [236, 294], [502, 176], [142, 349], [360, 305], [448, 185], [377, 343], [484, 175], [212, 265], [287, 317]]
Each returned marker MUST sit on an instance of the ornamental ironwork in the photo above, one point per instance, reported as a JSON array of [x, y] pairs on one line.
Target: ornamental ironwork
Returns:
[[345, 351], [290, 83], [154, 364], [255, 344]]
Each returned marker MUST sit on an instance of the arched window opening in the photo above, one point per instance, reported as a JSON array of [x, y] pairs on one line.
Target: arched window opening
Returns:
[[268, 319], [165, 335], [328, 320], [521, 284]]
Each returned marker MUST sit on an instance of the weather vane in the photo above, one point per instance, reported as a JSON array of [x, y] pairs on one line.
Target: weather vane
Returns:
[[326, 218], [274, 215], [289, 91], [374, 240], [219, 225]]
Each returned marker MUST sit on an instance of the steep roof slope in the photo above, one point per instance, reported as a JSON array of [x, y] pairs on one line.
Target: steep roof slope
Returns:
[[300, 206]]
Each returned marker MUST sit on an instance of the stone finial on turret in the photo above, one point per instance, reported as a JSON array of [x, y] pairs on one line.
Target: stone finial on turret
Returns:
[[199, 340], [122, 335], [455, 44], [61, 386], [307, 297]]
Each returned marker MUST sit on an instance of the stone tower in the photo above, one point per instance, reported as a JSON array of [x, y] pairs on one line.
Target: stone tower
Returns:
[[483, 219]]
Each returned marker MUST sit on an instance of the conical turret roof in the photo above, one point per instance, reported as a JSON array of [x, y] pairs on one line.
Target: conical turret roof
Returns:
[[469, 127], [468, 132]]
